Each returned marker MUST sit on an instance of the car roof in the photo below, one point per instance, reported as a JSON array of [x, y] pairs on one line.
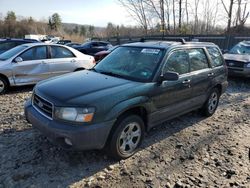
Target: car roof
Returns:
[[167, 44], [41, 44], [16, 39]]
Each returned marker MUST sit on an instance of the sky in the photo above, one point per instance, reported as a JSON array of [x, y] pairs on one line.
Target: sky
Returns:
[[91, 12]]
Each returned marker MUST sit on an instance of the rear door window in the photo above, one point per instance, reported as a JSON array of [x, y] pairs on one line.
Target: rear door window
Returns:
[[198, 59], [60, 52], [216, 56]]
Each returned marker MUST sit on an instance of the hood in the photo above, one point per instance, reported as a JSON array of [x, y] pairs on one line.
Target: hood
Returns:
[[81, 87], [237, 57]]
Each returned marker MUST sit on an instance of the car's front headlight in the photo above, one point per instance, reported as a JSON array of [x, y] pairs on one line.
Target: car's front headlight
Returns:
[[248, 65], [74, 114]]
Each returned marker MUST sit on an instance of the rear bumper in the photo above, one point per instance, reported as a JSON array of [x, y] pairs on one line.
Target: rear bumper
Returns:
[[82, 137]]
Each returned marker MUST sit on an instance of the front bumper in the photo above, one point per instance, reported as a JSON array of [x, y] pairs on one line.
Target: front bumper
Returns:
[[243, 72], [82, 137]]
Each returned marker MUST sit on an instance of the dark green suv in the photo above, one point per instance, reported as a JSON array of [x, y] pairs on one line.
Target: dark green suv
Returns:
[[135, 88]]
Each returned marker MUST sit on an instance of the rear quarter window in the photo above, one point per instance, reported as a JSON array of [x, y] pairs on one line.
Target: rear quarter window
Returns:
[[216, 56]]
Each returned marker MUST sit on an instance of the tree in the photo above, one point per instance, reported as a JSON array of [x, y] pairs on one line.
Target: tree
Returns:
[[180, 13], [55, 22], [10, 21], [136, 9], [111, 30], [229, 11], [242, 14], [91, 31], [76, 29], [11, 16], [196, 6], [174, 14], [83, 31]]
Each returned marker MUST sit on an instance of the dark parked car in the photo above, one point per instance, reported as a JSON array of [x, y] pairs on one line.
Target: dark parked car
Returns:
[[100, 55], [93, 47], [7, 44], [63, 42], [135, 88], [73, 44], [238, 59]]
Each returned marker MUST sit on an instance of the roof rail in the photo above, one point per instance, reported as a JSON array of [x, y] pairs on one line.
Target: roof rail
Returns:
[[182, 40]]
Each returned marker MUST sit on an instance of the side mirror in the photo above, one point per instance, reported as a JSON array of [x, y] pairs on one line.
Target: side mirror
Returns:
[[18, 59], [169, 76]]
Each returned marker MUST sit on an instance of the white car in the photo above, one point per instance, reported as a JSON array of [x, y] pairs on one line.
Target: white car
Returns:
[[30, 63]]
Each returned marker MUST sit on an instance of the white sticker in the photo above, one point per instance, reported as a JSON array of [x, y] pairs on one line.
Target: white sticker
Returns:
[[150, 51]]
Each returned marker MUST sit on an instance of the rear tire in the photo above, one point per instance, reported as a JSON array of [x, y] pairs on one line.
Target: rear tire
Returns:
[[3, 85], [212, 102], [126, 138]]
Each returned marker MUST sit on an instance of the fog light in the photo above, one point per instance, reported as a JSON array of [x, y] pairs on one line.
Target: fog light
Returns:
[[68, 141]]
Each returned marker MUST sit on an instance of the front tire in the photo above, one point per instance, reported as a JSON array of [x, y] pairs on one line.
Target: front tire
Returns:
[[127, 137], [212, 102], [3, 85]]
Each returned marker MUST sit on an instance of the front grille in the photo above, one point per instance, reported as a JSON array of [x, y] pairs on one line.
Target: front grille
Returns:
[[236, 64], [43, 105]]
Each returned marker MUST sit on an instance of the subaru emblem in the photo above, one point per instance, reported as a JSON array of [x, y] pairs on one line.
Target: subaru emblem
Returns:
[[40, 104]]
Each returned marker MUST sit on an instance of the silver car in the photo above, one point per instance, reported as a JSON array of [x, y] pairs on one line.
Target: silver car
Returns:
[[31, 63], [238, 60]]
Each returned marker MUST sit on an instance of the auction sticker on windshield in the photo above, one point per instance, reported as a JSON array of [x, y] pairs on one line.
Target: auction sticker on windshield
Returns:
[[150, 51]]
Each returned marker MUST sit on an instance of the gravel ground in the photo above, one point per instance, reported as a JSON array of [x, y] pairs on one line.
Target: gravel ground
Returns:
[[189, 151]]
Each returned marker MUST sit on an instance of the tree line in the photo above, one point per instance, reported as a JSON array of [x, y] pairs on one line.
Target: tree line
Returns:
[[152, 17], [12, 26], [188, 16]]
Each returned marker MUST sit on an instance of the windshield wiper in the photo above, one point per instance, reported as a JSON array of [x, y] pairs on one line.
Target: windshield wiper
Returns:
[[93, 69], [109, 73]]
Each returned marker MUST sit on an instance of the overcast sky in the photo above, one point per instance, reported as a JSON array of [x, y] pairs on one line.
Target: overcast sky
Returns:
[[92, 12]]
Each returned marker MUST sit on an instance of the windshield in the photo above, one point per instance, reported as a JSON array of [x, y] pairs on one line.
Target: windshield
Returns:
[[10, 53], [240, 48], [134, 63]]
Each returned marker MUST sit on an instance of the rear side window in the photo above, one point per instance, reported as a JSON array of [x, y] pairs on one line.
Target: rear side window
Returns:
[[60, 52], [198, 59], [216, 57], [34, 53], [178, 62]]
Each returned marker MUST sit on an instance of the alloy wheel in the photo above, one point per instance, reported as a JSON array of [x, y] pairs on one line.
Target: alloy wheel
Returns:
[[129, 138]]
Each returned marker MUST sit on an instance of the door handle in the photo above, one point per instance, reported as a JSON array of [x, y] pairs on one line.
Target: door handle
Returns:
[[186, 81], [73, 61], [210, 74], [43, 62]]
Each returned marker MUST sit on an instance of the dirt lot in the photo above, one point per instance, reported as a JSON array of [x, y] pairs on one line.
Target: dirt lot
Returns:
[[189, 151]]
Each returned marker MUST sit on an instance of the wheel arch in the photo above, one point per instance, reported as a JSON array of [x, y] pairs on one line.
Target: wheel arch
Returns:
[[5, 78]]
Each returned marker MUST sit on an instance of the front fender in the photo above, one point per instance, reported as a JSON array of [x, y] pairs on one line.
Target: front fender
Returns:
[[118, 109]]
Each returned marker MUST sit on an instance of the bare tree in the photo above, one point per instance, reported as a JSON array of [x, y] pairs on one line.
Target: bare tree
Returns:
[[174, 14], [186, 10], [242, 15], [196, 6], [229, 11], [180, 13], [136, 8], [167, 13]]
